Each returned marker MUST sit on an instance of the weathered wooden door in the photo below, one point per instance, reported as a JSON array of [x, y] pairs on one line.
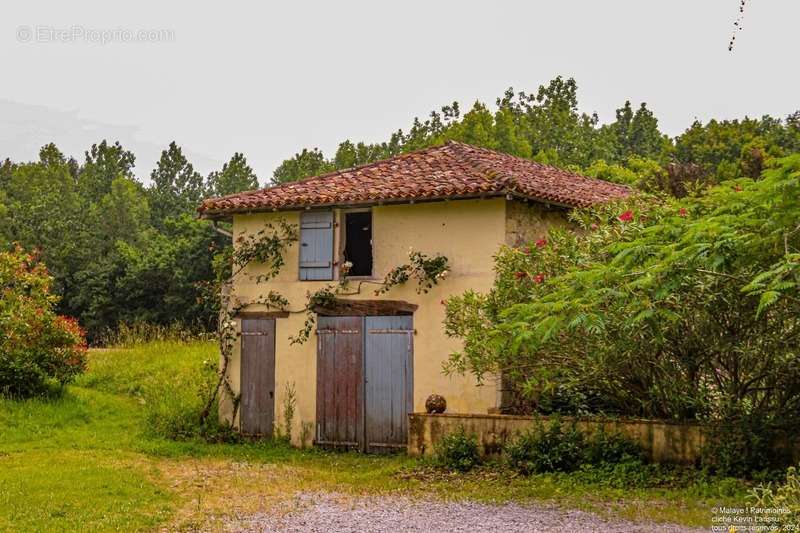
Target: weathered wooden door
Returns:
[[340, 378], [257, 376], [364, 382], [389, 381]]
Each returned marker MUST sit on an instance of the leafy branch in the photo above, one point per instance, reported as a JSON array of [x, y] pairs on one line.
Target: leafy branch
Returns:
[[427, 271]]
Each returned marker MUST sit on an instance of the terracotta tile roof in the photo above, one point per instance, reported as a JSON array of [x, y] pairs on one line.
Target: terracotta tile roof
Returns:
[[452, 170]]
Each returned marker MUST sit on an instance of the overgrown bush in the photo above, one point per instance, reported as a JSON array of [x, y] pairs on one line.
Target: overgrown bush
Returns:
[[560, 448], [551, 448], [172, 404], [745, 447], [611, 448], [785, 496], [37, 346], [458, 451], [653, 307]]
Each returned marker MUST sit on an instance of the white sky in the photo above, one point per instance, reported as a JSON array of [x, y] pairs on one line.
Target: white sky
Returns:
[[267, 79]]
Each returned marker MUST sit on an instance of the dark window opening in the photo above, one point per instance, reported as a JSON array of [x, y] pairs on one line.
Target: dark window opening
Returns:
[[358, 242]]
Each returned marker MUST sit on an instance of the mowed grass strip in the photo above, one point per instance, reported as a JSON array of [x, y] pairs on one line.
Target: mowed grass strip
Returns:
[[73, 490]]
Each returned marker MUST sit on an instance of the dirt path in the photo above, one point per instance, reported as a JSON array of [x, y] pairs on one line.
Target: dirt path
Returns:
[[321, 512]]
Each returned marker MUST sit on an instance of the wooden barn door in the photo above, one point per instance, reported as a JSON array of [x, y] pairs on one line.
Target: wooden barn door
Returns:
[[340, 392], [364, 382], [258, 376], [389, 381]]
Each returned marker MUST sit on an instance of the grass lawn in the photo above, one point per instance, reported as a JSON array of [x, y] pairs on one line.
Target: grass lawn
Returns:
[[86, 461]]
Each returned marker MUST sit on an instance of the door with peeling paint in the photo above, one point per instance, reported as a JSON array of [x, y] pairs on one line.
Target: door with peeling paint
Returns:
[[364, 382], [257, 407], [340, 382], [389, 381]]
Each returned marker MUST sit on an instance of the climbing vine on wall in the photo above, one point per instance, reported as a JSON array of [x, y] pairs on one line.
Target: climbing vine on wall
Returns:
[[426, 271], [266, 248]]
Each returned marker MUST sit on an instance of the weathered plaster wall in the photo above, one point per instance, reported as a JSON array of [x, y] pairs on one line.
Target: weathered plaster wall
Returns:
[[663, 441], [527, 222], [468, 232]]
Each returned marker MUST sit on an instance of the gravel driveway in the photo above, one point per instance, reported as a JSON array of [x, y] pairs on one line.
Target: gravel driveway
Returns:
[[338, 513]]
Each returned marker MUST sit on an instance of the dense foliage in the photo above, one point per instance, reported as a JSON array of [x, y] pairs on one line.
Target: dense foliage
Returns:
[[119, 251], [556, 447], [548, 126], [654, 307], [122, 251], [458, 451], [37, 346], [782, 497], [551, 448]]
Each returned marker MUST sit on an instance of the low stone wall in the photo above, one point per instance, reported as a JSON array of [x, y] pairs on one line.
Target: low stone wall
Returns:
[[663, 441]]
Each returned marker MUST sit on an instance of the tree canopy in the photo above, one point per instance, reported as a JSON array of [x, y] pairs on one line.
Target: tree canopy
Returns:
[[119, 250], [123, 250]]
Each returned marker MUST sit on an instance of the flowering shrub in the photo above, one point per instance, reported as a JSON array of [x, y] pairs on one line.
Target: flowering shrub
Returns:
[[37, 346], [654, 308]]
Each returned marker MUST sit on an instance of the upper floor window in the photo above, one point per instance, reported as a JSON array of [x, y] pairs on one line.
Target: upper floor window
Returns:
[[357, 237]]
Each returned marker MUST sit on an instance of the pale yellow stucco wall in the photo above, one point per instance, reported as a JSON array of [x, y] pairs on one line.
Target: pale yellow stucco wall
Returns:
[[468, 232]]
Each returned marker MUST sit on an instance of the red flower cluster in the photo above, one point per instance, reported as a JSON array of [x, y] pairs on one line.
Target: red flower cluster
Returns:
[[520, 274], [541, 243], [538, 278], [627, 216], [682, 212]]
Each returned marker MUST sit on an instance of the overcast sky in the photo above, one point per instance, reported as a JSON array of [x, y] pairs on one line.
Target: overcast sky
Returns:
[[267, 79]]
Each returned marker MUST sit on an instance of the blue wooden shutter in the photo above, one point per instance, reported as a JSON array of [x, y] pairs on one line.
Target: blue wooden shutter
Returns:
[[316, 245]]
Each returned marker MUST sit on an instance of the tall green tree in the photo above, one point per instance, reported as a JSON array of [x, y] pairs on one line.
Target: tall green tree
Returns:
[[476, 128], [303, 164], [509, 137], [46, 212], [349, 155], [103, 164], [637, 134], [235, 176], [177, 188], [123, 214]]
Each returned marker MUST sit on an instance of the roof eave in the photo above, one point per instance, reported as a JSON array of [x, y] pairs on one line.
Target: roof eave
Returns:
[[226, 214], [218, 214]]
